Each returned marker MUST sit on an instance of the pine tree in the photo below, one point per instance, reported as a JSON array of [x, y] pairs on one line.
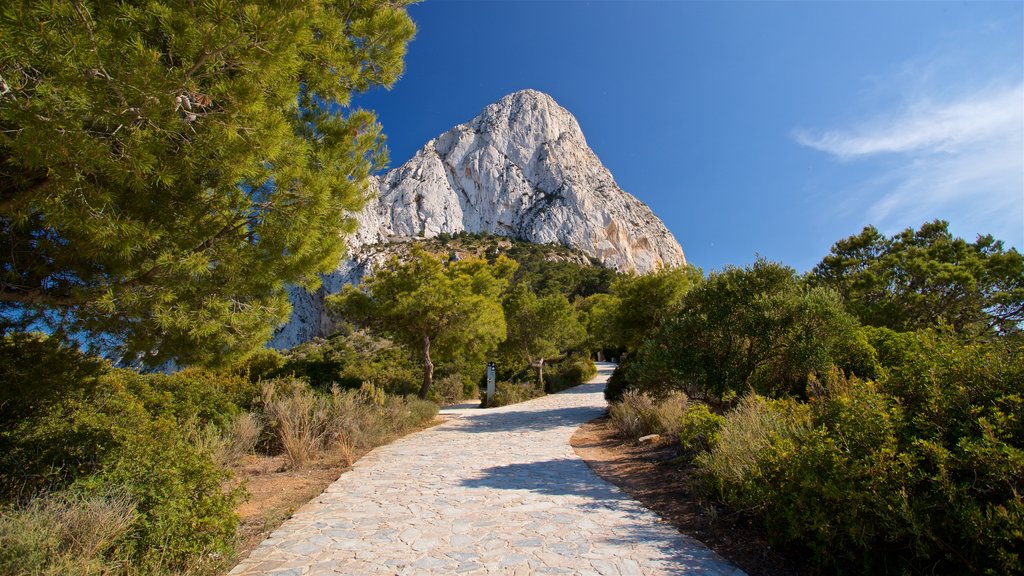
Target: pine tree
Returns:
[[432, 307], [540, 327], [167, 167]]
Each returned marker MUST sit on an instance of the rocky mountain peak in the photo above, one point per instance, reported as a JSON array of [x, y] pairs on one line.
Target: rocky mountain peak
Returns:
[[521, 169]]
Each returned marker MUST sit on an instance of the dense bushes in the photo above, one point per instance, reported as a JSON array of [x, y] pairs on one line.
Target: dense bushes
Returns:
[[922, 471], [506, 393], [866, 449], [146, 455], [570, 371], [757, 327], [64, 534], [349, 359], [121, 432]]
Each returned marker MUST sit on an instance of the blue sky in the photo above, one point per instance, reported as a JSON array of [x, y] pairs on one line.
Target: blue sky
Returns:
[[771, 128]]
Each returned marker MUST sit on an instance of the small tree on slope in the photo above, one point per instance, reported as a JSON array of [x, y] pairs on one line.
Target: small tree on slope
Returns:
[[432, 307]]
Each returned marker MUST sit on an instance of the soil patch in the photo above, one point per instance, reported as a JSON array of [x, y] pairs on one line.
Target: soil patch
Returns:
[[646, 473]]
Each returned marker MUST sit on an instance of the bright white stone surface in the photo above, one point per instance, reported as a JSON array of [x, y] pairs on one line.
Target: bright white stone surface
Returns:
[[495, 491]]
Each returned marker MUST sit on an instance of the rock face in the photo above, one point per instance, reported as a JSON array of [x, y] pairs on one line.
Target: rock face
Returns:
[[522, 168]]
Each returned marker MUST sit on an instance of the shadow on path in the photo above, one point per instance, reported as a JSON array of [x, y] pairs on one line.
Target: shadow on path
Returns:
[[572, 477]]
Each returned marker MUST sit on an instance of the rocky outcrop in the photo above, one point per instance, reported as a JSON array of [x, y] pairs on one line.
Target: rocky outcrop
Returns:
[[522, 168]]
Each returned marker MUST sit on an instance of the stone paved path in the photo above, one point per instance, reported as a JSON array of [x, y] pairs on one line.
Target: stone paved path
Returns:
[[495, 491]]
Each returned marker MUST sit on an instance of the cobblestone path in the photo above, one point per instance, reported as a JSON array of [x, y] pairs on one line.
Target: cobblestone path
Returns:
[[495, 491]]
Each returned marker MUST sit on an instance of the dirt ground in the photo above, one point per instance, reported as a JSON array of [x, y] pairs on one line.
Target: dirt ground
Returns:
[[646, 472], [276, 492]]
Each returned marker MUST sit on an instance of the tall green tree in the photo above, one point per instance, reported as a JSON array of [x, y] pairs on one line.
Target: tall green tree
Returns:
[[540, 327], [167, 166], [432, 307], [758, 327], [919, 278], [642, 302]]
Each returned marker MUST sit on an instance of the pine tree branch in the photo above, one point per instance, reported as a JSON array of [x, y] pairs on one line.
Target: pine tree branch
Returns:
[[207, 55]]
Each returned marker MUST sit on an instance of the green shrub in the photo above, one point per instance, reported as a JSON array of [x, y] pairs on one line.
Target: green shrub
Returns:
[[210, 397], [260, 364], [571, 371], [228, 445], [64, 533], [128, 433], [448, 390], [184, 515], [618, 382], [37, 371], [349, 359], [922, 472], [633, 415], [733, 469], [699, 428], [506, 393], [637, 414]]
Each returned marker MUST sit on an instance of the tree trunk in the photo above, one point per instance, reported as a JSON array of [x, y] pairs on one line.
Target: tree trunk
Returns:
[[428, 369], [540, 373]]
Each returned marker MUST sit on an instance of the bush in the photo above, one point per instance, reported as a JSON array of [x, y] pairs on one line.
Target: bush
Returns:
[[637, 414], [227, 446], [506, 393], [922, 472], [732, 469], [123, 432], [349, 360], [184, 515], [633, 416], [699, 428], [448, 390], [64, 533], [308, 424], [571, 371], [619, 382], [261, 364]]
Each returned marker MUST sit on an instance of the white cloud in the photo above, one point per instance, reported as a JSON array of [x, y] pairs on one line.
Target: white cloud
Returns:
[[928, 128], [962, 160]]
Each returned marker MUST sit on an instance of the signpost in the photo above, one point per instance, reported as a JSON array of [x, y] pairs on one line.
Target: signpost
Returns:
[[490, 382]]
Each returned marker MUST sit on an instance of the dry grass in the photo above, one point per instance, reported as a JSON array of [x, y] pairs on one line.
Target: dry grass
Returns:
[[64, 534], [751, 427], [308, 425], [638, 414]]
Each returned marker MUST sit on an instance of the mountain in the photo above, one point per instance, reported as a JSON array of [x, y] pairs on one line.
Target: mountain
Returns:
[[522, 169]]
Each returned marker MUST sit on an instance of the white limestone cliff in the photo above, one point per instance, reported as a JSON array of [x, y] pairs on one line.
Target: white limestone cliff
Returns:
[[522, 168]]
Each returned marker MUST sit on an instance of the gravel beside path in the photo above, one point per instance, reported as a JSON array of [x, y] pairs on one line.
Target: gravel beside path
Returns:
[[495, 491]]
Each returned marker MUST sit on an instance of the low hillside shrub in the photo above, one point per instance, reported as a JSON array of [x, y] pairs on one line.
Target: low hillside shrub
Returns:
[[638, 414], [65, 533], [618, 382], [756, 428], [260, 365], [699, 428], [572, 370], [448, 390], [349, 359], [920, 472], [506, 393], [98, 431], [308, 424]]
